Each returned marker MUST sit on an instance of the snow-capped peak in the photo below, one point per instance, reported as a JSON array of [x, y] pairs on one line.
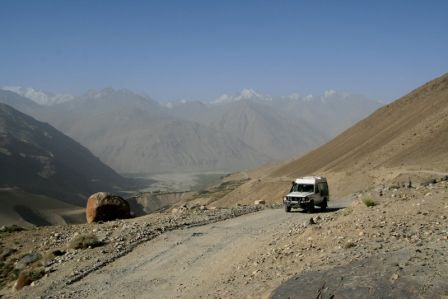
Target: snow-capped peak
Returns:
[[248, 94], [39, 96], [245, 94]]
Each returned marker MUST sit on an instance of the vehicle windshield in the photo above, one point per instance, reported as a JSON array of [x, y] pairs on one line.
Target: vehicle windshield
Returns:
[[302, 188]]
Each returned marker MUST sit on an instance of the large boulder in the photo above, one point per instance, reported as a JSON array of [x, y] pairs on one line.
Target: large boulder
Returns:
[[104, 206]]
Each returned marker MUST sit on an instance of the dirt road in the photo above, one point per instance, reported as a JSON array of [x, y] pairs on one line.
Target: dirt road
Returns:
[[189, 263]]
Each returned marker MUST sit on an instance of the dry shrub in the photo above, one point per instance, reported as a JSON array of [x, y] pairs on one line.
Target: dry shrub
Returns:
[[84, 241], [27, 277]]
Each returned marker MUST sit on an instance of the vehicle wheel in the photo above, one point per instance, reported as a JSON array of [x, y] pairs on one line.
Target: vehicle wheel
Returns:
[[324, 205], [311, 207], [287, 209]]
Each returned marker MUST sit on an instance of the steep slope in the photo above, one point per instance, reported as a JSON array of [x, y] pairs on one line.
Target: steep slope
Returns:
[[411, 132], [403, 139], [174, 146], [267, 129], [38, 159]]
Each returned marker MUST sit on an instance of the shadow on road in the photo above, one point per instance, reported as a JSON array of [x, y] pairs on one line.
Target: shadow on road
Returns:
[[317, 210]]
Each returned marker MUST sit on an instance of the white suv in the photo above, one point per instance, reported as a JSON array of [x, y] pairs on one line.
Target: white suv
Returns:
[[307, 192]]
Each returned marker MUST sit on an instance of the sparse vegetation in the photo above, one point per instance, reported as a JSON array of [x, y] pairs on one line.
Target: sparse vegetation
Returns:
[[84, 241], [7, 272], [27, 277], [52, 254], [369, 202], [349, 244], [347, 211]]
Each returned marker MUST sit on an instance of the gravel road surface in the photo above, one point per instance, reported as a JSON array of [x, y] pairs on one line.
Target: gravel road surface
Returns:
[[187, 263]]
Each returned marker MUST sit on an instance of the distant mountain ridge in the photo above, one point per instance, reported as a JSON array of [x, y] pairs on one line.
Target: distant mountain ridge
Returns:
[[135, 134], [49, 98], [280, 127], [39, 96]]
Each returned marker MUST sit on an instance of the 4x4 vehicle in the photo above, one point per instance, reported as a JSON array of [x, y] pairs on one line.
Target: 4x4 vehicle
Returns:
[[307, 192]]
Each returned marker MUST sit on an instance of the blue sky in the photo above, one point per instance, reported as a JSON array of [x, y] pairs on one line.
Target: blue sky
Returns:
[[202, 49]]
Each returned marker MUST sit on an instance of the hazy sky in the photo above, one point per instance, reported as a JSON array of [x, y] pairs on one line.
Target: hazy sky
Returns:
[[202, 49]]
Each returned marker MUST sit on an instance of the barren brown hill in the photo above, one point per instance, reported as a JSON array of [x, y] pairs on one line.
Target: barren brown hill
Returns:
[[405, 139]]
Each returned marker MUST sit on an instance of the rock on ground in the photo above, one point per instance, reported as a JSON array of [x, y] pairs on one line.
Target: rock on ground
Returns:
[[104, 206]]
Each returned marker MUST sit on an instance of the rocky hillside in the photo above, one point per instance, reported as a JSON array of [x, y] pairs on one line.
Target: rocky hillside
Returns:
[[35, 158]]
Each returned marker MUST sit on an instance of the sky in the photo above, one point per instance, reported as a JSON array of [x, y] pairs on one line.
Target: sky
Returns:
[[173, 50]]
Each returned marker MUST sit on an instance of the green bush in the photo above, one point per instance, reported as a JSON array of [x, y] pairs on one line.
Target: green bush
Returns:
[[368, 201]]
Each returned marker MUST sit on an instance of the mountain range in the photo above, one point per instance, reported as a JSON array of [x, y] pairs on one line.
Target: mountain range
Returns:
[[135, 134], [46, 175]]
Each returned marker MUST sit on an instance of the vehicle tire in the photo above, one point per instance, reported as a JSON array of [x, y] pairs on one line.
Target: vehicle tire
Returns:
[[310, 208], [287, 209], [324, 205]]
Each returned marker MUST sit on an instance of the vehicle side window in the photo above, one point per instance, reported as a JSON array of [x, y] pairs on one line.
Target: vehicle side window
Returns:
[[324, 188], [317, 188]]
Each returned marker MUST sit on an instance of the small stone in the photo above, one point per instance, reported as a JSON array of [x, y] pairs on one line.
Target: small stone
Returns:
[[309, 222], [26, 260], [394, 277]]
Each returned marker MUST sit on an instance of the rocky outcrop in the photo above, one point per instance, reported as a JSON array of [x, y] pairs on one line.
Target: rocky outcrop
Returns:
[[104, 206]]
